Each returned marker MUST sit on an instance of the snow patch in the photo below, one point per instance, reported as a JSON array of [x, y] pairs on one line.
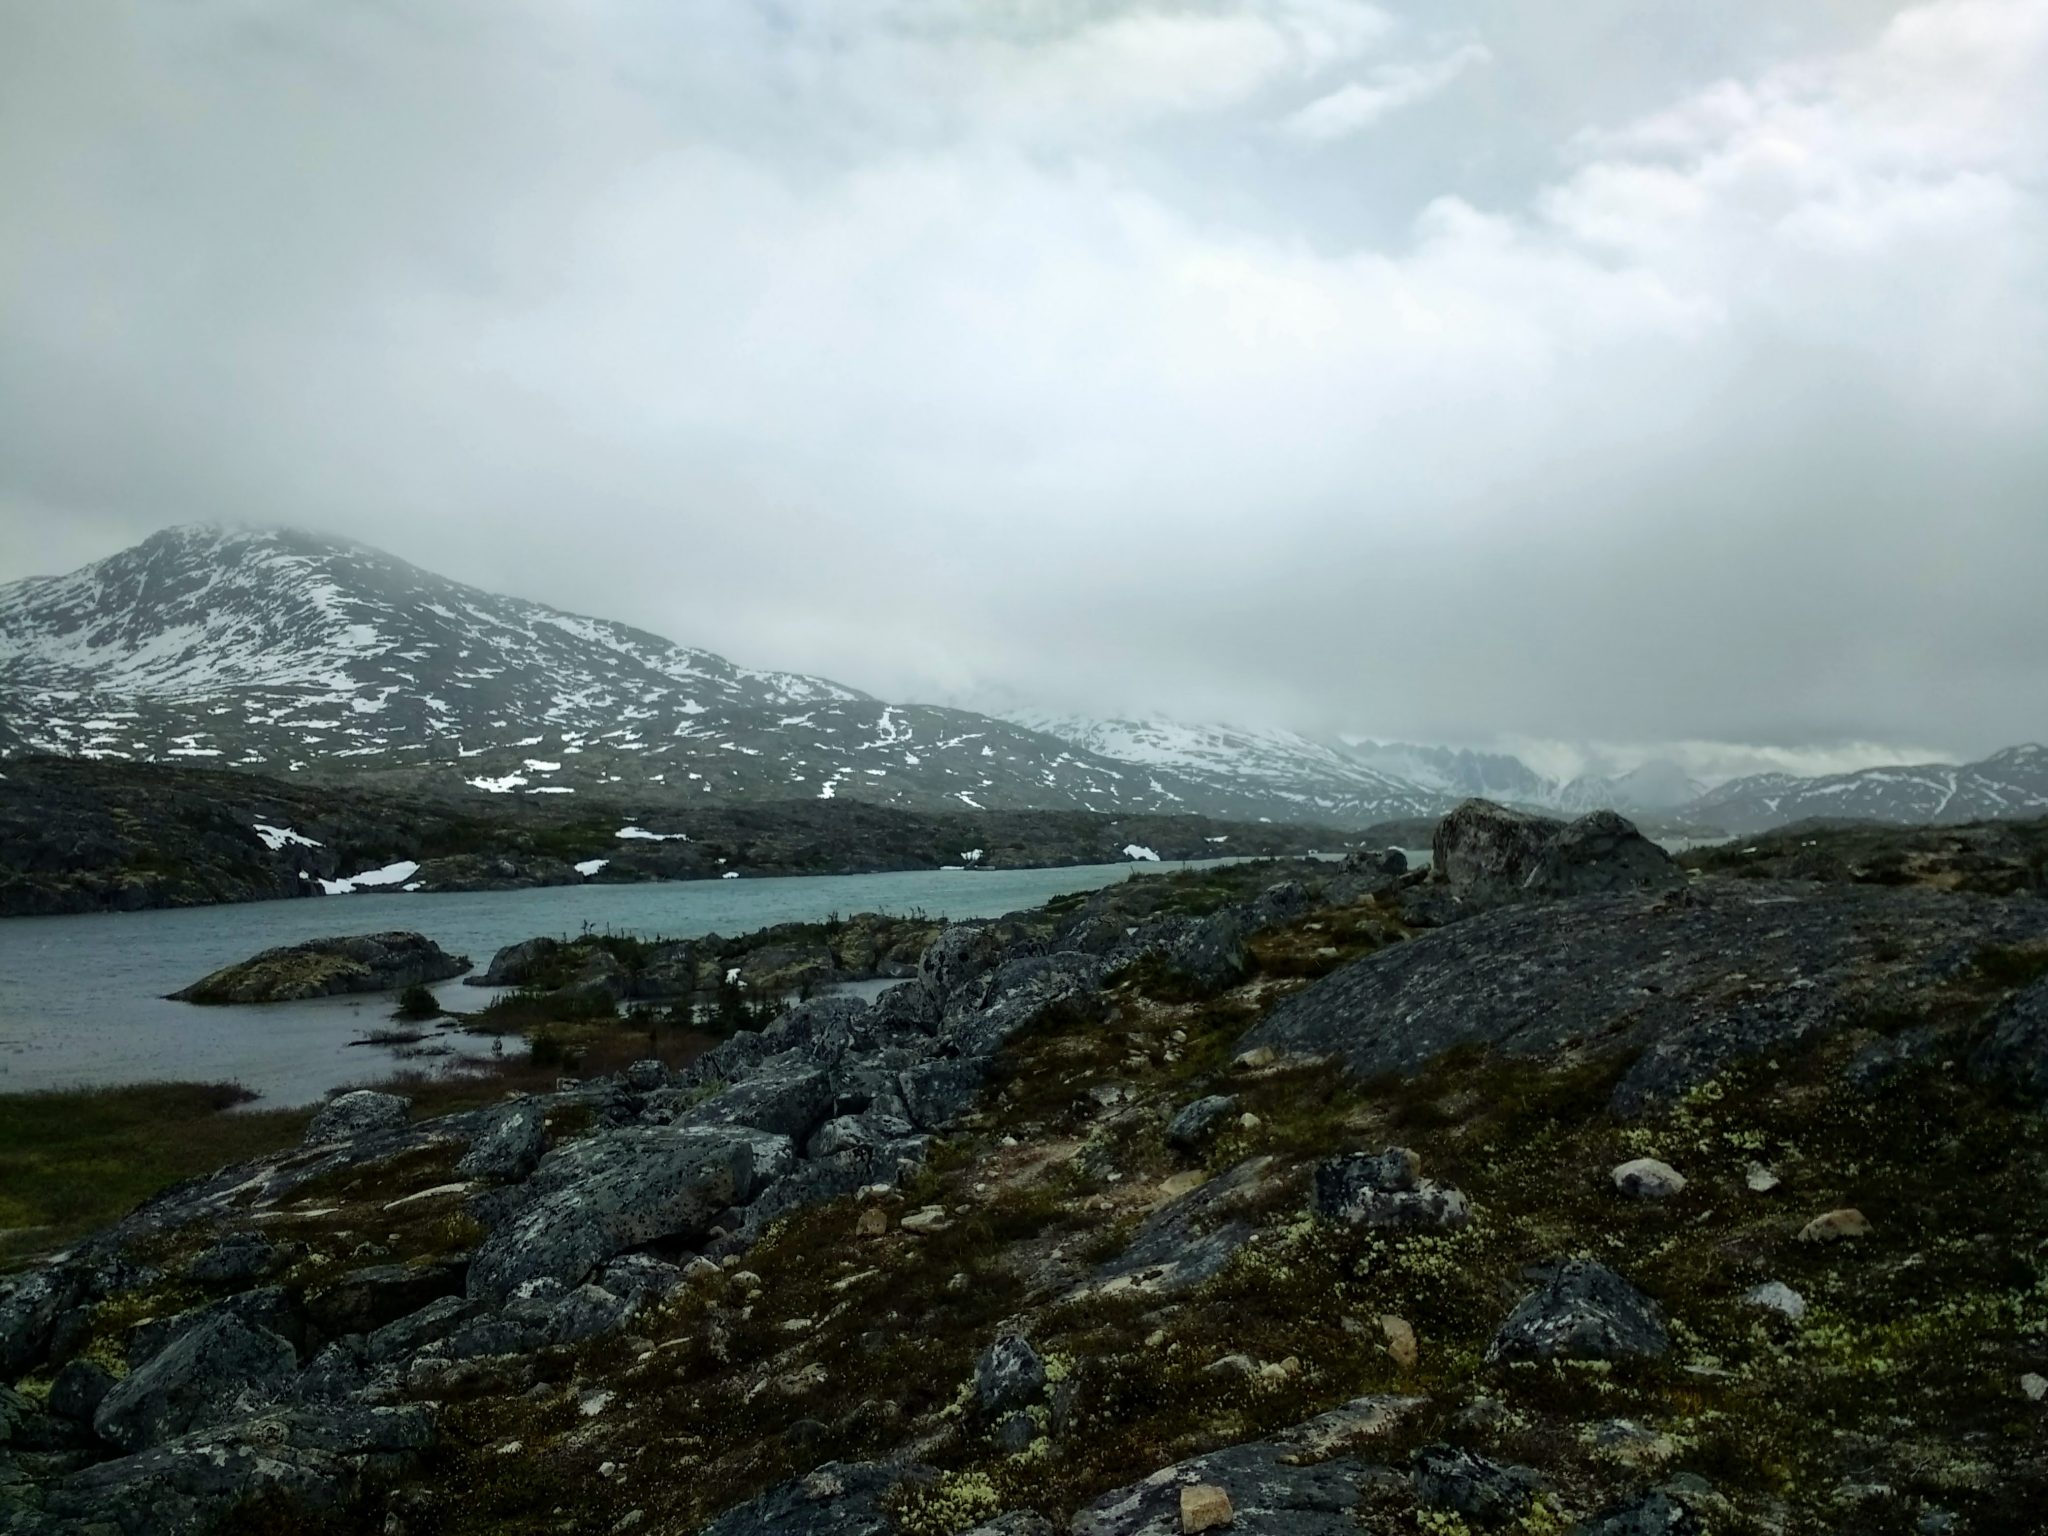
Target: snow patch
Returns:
[[390, 874], [641, 834], [589, 867], [275, 838], [1140, 852]]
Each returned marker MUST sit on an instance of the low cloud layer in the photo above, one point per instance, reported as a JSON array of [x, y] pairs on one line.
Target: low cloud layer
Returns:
[[1435, 372]]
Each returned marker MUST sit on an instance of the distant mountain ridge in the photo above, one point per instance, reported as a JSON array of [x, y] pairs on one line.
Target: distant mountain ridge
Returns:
[[2011, 782], [289, 652]]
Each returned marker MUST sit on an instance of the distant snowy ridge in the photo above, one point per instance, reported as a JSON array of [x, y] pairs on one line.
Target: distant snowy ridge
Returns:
[[2012, 782]]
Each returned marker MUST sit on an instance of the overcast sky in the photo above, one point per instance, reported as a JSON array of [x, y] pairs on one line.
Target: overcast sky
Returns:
[[1461, 370]]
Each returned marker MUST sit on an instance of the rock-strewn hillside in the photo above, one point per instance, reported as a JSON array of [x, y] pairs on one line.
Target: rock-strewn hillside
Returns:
[[1204, 1203], [81, 836]]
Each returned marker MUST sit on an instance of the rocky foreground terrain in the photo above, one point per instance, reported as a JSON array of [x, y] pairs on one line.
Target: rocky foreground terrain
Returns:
[[83, 836], [1550, 1189]]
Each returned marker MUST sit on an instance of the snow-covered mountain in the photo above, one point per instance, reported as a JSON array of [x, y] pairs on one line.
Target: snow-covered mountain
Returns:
[[2013, 782], [1458, 772], [288, 652], [1318, 781]]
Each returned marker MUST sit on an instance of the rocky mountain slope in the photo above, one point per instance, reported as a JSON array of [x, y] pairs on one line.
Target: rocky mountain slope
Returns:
[[1115, 1221], [83, 835], [288, 653], [2013, 782]]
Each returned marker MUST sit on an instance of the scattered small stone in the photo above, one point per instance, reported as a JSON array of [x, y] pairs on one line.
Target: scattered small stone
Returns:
[[1777, 1296], [1280, 1370], [874, 1222], [1232, 1365], [1402, 1347], [1183, 1183], [1204, 1507], [1761, 1180], [1833, 1226], [926, 1220], [1249, 1121], [959, 1284], [1645, 1178], [629, 1521], [700, 1268], [1385, 1189], [2034, 1386], [1257, 1057], [594, 1404]]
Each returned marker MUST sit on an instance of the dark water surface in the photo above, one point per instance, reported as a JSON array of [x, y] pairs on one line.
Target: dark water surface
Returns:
[[82, 998]]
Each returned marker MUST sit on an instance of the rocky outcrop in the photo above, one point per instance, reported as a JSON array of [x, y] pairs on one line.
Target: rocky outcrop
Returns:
[[368, 962], [1687, 981], [216, 1372], [601, 1195]]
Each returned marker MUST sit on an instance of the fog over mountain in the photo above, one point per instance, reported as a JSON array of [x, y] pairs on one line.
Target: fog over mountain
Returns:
[[1662, 386]]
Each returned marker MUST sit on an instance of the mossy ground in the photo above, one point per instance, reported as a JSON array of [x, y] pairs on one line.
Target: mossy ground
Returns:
[[1897, 1392], [71, 1161]]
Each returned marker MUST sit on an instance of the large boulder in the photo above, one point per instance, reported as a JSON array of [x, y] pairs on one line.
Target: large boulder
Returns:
[[1483, 849], [616, 1190], [524, 964], [360, 1113], [1602, 851], [219, 1371], [1584, 1311], [1486, 853], [509, 1146], [366, 962]]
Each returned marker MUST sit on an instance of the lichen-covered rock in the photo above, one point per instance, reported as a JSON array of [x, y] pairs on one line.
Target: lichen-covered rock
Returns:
[[1008, 1375], [1385, 1189], [1482, 1490], [361, 1113], [1268, 1491], [214, 1373], [240, 1258], [1600, 852], [366, 962], [509, 1146], [1689, 981], [1483, 849], [1584, 1311], [1657, 1513], [1191, 1237], [1197, 1124], [316, 1457], [837, 1499], [616, 1190]]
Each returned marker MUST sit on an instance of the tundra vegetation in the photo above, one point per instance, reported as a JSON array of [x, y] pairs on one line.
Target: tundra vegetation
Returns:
[[1741, 1255]]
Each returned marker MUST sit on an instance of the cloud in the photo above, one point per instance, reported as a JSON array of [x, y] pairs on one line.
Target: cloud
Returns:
[[948, 348], [1361, 104]]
